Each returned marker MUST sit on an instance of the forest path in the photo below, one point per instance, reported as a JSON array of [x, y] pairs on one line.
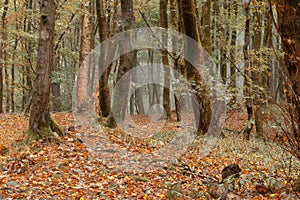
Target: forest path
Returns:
[[91, 170]]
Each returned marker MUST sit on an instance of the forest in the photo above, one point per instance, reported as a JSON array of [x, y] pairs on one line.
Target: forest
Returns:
[[150, 99]]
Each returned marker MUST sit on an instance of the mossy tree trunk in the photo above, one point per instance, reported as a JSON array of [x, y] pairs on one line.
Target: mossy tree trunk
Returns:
[[257, 71], [40, 123]]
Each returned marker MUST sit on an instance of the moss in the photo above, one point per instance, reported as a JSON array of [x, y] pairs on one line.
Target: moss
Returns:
[[45, 131], [36, 134], [111, 123], [56, 128]]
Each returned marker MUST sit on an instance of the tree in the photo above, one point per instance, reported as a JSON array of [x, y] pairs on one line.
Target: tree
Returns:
[[289, 28], [206, 25], [192, 53], [165, 60], [248, 81], [104, 96], [83, 79], [126, 62], [3, 53], [41, 125]]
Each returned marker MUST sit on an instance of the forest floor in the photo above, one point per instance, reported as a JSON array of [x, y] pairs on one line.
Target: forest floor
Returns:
[[89, 165]]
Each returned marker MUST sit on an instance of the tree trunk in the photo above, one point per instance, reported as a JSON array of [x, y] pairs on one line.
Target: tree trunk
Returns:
[[138, 93], [206, 26], [224, 38], [192, 53], [247, 81], [104, 96], [289, 27], [165, 60], [126, 61], [27, 74], [234, 14], [3, 55], [83, 79], [258, 72], [176, 26], [40, 123]]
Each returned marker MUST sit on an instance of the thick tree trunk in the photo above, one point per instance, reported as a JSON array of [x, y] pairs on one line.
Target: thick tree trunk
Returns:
[[192, 53], [40, 123], [289, 27]]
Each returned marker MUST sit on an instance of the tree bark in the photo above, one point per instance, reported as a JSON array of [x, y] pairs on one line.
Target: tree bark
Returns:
[[104, 96], [247, 81], [176, 26], [126, 62], [206, 26], [3, 54], [257, 71], [192, 53], [233, 14], [289, 27], [83, 79], [40, 123], [27, 74], [165, 60]]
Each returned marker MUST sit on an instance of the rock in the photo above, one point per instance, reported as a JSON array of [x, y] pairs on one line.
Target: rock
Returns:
[[230, 170], [261, 189], [71, 128], [217, 191]]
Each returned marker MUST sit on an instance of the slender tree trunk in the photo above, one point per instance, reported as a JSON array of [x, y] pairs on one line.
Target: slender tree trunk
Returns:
[[3, 58], [233, 47], [206, 26], [175, 25], [83, 79], [258, 72], [40, 123], [163, 4], [12, 83], [138, 95], [27, 74], [126, 61], [224, 38], [104, 96], [247, 81]]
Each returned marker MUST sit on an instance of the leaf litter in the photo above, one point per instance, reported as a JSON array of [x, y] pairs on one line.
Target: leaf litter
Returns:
[[75, 170]]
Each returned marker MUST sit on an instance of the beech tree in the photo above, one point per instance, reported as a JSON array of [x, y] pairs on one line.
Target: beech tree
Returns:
[[41, 125], [192, 53]]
